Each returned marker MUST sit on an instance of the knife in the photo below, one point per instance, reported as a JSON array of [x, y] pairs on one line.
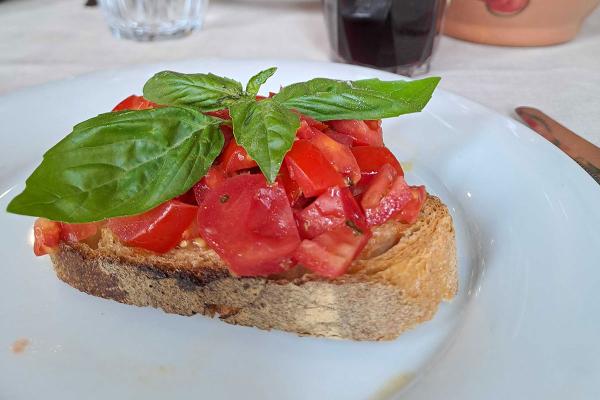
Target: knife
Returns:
[[586, 154]]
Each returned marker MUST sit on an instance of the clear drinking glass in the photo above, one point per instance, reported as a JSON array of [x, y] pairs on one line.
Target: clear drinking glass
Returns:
[[394, 35], [153, 19]]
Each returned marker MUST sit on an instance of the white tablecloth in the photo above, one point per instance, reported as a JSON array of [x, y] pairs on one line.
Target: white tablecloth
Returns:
[[43, 40]]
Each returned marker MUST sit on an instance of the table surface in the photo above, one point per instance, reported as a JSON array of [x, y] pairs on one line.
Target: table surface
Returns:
[[55, 39]]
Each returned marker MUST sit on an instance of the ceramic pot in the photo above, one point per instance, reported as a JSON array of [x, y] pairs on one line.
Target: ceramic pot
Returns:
[[517, 22]]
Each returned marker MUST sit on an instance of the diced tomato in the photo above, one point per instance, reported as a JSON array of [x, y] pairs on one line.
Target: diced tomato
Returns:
[[340, 137], [379, 187], [310, 169], [410, 213], [159, 229], [370, 159], [359, 131], [313, 123], [305, 131], [250, 225], [213, 177], [46, 236], [329, 210], [227, 132], [78, 232], [134, 102], [373, 124], [338, 155], [291, 187], [385, 197], [331, 253], [236, 158], [223, 114]]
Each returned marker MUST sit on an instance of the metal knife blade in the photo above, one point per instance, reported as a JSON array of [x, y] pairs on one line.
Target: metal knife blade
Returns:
[[586, 154]]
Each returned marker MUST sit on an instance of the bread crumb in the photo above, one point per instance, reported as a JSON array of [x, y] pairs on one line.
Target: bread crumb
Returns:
[[19, 346], [183, 244], [199, 242]]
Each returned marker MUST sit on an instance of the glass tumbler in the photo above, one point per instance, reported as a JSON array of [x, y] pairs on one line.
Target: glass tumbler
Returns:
[[147, 20], [394, 35]]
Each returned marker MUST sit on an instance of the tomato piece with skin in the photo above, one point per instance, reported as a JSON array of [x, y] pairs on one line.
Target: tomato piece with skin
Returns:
[[362, 134], [386, 196], [78, 232], [371, 158], [250, 225], [313, 123], [310, 169], [338, 155], [290, 186], [373, 124], [410, 213], [329, 210], [213, 177], [134, 102], [331, 253], [46, 235], [305, 131], [236, 158], [159, 229], [227, 132], [339, 137], [223, 114]]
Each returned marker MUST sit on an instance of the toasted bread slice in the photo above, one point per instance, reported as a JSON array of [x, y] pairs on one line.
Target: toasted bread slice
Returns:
[[398, 281]]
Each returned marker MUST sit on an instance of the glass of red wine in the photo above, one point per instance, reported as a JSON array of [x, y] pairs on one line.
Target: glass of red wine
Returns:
[[394, 35]]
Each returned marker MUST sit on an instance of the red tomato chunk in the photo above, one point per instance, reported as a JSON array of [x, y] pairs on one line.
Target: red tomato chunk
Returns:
[[370, 159], [310, 169], [329, 210], [46, 236], [250, 225], [412, 209], [335, 231], [235, 158], [134, 102], [338, 155], [213, 177], [360, 131], [78, 232], [331, 253], [385, 196], [159, 229]]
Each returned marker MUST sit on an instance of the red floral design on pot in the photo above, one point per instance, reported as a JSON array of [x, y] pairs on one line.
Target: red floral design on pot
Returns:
[[506, 7]]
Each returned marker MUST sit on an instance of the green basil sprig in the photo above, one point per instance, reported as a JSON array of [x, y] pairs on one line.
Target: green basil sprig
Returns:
[[121, 163], [128, 162], [266, 130], [327, 99]]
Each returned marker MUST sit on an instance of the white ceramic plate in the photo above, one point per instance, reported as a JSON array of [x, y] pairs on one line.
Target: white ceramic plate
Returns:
[[525, 324]]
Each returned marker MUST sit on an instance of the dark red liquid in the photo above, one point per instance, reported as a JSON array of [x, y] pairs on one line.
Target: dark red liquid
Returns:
[[388, 33]]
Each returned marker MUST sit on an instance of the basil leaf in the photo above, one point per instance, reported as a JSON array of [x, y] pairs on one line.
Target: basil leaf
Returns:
[[121, 163], [266, 130], [207, 92], [327, 99], [258, 80]]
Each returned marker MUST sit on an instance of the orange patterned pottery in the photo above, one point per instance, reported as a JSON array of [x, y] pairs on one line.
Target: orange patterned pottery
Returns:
[[517, 22]]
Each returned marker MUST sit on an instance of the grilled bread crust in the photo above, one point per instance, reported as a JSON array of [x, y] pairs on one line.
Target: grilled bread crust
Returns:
[[398, 281]]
